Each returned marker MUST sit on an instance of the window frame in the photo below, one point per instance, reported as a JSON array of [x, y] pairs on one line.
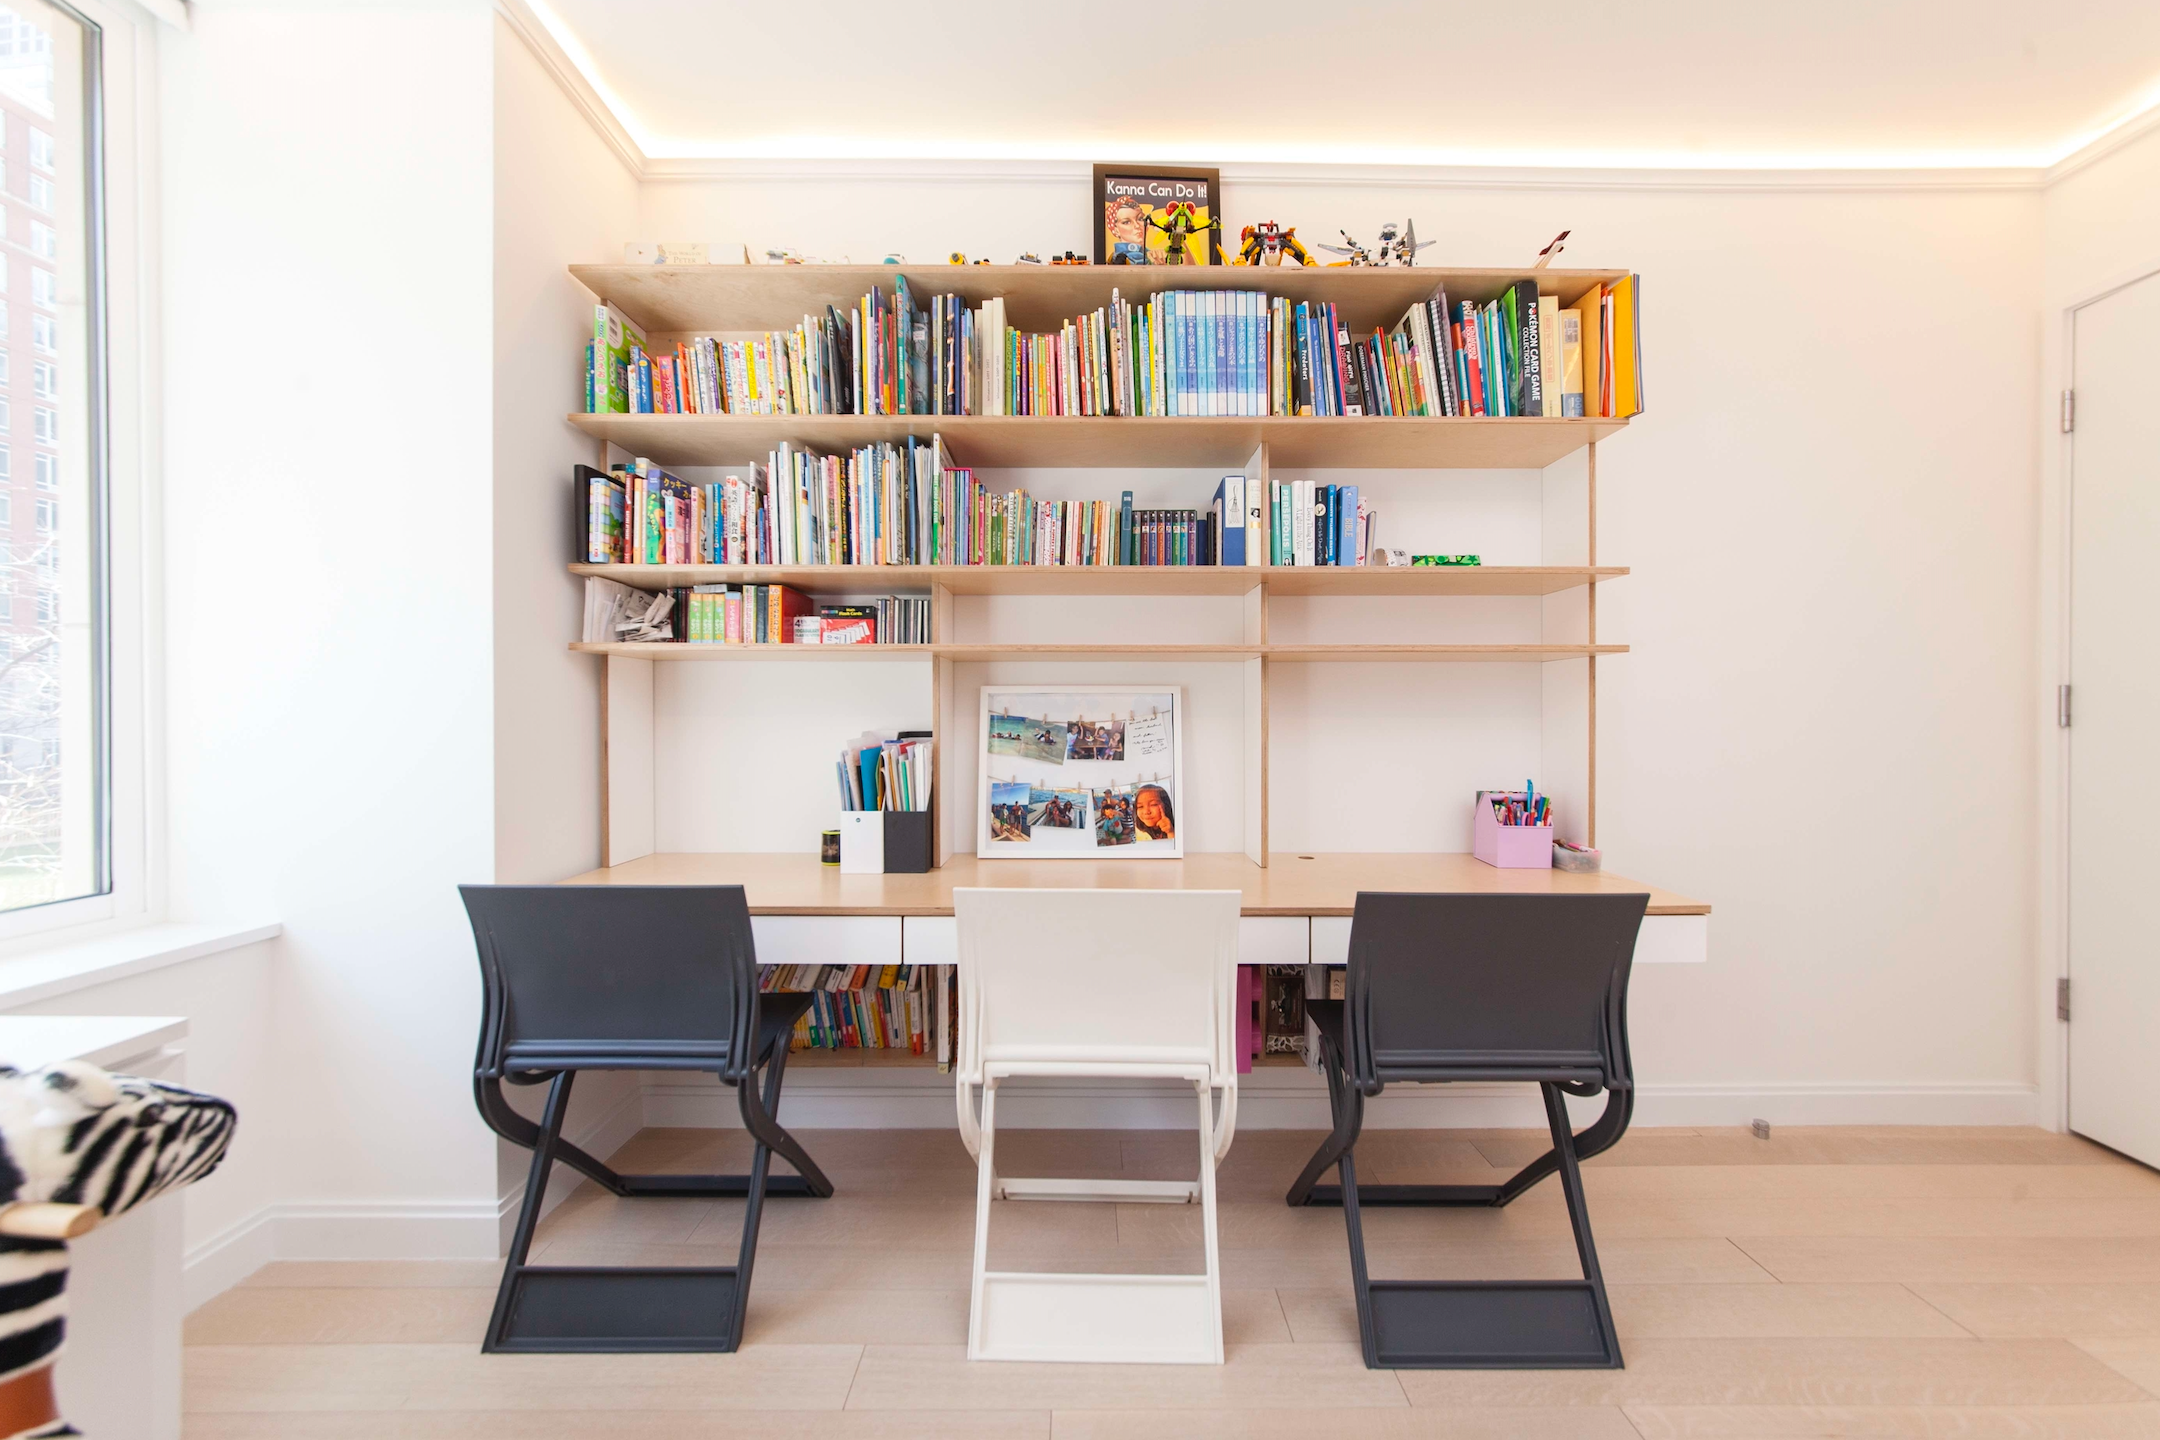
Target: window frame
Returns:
[[120, 158]]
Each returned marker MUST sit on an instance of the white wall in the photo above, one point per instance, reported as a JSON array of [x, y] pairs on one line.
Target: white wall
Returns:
[[328, 603], [1829, 509], [561, 195]]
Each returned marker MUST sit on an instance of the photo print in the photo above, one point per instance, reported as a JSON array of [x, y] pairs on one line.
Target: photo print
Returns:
[[1095, 740], [1152, 814], [1028, 738], [1009, 805], [1058, 809], [1114, 815]]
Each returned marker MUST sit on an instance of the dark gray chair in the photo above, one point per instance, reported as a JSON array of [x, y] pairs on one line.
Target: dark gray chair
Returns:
[[1480, 987], [658, 977]]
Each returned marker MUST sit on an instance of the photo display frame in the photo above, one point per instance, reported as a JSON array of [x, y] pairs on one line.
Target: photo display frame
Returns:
[[1128, 200], [1081, 772]]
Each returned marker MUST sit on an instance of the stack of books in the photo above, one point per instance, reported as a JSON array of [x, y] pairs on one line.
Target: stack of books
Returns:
[[907, 1008], [1176, 353]]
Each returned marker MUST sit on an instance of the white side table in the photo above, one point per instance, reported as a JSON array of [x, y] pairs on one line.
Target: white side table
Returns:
[[120, 1372]]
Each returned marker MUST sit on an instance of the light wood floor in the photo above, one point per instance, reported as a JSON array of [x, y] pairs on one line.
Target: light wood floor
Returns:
[[1971, 1283]]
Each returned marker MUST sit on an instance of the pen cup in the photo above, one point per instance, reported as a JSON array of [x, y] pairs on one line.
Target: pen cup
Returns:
[[1510, 847]]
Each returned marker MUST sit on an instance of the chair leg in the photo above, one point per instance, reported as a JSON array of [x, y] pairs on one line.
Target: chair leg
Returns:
[[985, 1182], [1339, 1140], [546, 1136], [1207, 1216], [1360, 1276], [1556, 1117], [759, 1118]]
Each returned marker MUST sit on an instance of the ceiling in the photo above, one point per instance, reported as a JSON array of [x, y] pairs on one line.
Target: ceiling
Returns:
[[1568, 82]]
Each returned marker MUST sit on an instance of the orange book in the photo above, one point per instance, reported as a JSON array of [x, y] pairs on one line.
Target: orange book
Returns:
[[1626, 349]]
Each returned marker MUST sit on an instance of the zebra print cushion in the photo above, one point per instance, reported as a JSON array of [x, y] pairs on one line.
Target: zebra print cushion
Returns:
[[72, 1134]]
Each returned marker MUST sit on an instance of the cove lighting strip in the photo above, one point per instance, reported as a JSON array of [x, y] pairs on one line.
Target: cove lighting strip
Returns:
[[826, 147]]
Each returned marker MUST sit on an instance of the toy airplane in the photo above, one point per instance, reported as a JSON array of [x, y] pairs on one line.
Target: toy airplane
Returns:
[[1358, 254]]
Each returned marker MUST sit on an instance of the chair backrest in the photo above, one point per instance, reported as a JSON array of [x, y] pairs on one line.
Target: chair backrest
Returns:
[[1106, 976], [1491, 987], [613, 976]]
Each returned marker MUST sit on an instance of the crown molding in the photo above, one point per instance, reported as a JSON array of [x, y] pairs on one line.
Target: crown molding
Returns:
[[526, 25], [2120, 138]]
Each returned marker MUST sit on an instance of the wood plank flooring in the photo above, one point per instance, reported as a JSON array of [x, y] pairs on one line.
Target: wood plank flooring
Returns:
[[1824, 1282]]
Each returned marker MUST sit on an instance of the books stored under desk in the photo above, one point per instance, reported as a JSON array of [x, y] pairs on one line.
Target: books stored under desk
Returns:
[[1125, 579]]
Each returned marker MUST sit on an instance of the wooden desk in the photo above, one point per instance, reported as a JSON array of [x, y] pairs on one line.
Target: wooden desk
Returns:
[[1291, 885]]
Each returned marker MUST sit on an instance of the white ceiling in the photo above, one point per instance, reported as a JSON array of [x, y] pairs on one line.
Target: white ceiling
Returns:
[[1566, 82]]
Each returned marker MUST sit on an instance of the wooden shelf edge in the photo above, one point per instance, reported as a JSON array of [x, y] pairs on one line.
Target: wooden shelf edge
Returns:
[[1167, 580], [1295, 654]]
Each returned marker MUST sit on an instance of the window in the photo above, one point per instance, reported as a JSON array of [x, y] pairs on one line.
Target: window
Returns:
[[4, 358], [7, 467], [7, 504], [59, 811]]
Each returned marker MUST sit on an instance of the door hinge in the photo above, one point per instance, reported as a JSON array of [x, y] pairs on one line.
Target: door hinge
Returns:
[[2069, 411], [2062, 998], [2062, 706]]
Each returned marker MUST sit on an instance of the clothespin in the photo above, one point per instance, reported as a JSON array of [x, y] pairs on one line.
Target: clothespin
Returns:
[[1551, 252]]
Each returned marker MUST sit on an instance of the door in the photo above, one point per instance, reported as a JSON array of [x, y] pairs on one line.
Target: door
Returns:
[[2115, 721]]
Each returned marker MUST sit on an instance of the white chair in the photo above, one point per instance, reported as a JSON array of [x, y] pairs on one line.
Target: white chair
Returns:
[[1134, 984]]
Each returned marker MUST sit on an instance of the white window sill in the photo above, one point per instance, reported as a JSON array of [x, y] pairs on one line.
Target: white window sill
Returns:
[[42, 974]]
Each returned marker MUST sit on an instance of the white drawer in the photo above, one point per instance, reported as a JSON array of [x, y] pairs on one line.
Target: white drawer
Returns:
[[1274, 940], [826, 939], [1673, 940], [1331, 940], [1663, 940], [930, 939]]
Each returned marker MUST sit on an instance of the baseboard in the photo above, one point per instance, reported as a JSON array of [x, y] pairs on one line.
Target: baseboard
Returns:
[[1281, 1098], [389, 1230]]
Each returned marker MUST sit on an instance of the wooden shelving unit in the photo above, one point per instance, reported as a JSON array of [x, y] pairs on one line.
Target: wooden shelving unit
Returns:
[[729, 300]]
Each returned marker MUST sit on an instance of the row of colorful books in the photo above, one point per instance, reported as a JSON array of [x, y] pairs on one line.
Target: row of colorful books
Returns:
[[746, 615], [1175, 353], [880, 505], [908, 1008]]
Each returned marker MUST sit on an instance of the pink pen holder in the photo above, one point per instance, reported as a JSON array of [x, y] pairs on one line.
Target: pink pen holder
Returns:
[[1511, 847]]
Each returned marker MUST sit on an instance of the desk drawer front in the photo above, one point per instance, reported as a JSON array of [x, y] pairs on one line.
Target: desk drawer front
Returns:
[[1663, 940], [827, 939], [930, 939], [1274, 940]]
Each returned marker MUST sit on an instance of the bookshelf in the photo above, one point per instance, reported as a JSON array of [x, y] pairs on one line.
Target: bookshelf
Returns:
[[672, 303]]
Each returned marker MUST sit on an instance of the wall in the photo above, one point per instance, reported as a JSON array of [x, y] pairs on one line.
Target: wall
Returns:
[[328, 598], [1829, 509], [561, 195]]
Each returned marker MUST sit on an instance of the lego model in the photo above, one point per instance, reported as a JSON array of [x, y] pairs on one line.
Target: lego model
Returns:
[[1358, 254], [1267, 243], [1031, 258], [1179, 221], [1069, 258], [1400, 249]]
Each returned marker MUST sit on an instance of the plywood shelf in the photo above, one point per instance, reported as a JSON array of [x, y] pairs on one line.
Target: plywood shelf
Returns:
[[677, 299], [1300, 654], [1122, 441], [1186, 580]]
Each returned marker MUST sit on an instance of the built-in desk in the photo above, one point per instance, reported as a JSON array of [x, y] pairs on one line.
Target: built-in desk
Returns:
[[1297, 908]]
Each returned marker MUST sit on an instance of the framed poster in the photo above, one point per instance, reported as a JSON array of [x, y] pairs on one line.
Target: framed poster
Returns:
[[1081, 772], [1141, 210]]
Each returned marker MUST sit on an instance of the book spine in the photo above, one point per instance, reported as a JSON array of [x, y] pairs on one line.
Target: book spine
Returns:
[[1529, 357]]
